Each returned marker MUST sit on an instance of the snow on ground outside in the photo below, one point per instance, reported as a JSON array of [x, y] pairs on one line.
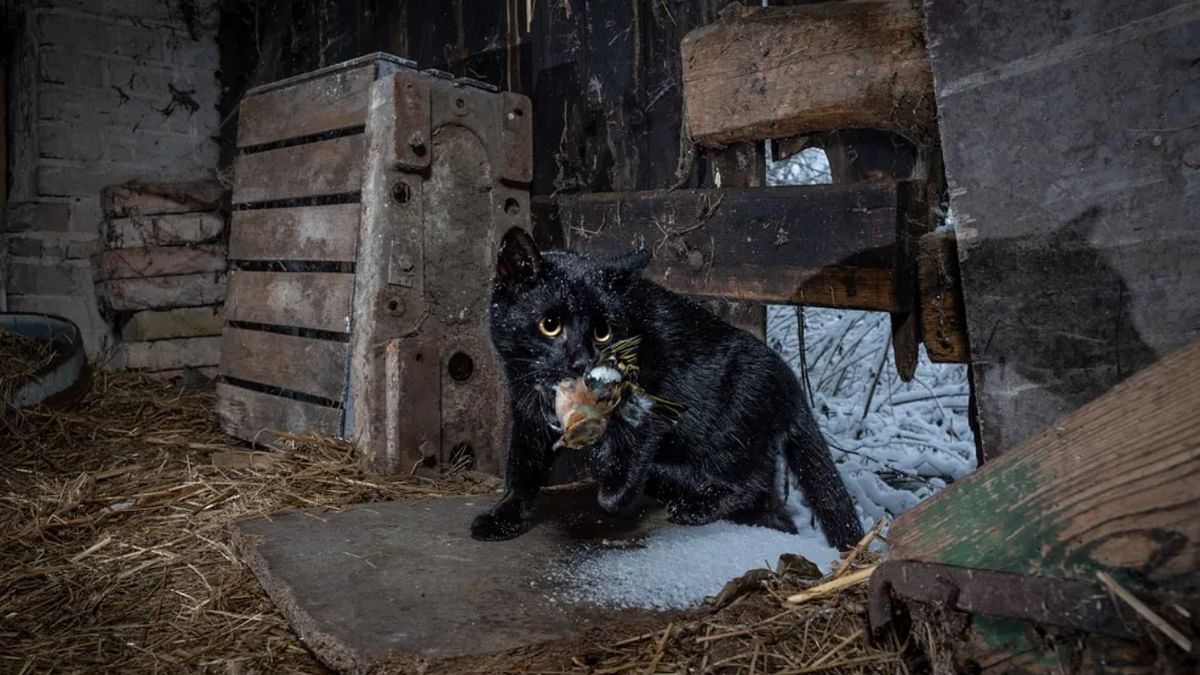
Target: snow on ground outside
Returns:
[[895, 444]]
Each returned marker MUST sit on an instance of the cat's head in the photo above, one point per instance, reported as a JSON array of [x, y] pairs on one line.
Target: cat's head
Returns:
[[553, 311]]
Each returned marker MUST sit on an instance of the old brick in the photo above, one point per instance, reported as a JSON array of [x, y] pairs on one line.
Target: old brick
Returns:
[[184, 322], [97, 36], [181, 51], [50, 277], [96, 109], [86, 215], [36, 217], [149, 197], [160, 149], [54, 245], [69, 67], [155, 81], [62, 141], [65, 179], [162, 230]]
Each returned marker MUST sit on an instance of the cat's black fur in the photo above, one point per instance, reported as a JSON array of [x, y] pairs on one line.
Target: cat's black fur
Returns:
[[721, 459]]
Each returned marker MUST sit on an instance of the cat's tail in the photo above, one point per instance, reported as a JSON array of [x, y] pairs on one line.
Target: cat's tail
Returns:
[[809, 459]]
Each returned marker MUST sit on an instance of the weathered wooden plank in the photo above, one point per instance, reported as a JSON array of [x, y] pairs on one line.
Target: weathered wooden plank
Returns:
[[943, 320], [311, 106], [1110, 486], [314, 169], [300, 364], [1078, 256], [162, 230], [814, 245], [324, 233], [772, 72], [188, 290], [167, 354], [134, 198], [174, 323], [160, 261], [318, 300], [252, 415]]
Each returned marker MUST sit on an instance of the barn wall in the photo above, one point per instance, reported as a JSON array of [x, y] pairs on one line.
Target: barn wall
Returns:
[[1070, 139], [104, 91]]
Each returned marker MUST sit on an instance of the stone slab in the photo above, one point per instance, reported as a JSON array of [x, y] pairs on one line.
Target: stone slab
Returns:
[[404, 580]]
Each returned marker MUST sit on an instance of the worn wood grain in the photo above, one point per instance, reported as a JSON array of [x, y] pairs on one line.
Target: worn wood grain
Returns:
[[299, 364], [943, 318], [771, 72], [321, 233], [253, 416], [814, 245], [317, 300], [1077, 253], [161, 261], [149, 198], [173, 323], [311, 106], [1111, 486], [188, 290], [167, 354], [162, 230], [332, 167]]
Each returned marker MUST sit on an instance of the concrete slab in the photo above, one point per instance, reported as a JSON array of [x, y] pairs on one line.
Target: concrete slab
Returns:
[[378, 582]]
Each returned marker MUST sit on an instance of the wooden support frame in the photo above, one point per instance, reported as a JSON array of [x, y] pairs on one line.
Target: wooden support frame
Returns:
[[833, 245]]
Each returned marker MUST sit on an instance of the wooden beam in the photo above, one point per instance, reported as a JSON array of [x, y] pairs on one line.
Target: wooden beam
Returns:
[[833, 245], [772, 72], [1111, 486], [943, 319]]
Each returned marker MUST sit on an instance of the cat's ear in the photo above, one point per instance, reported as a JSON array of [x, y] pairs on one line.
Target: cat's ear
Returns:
[[519, 261], [629, 265]]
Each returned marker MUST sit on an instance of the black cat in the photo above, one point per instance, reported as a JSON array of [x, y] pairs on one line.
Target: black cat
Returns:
[[550, 315]]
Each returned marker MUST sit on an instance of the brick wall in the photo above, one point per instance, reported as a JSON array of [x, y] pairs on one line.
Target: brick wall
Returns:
[[107, 91]]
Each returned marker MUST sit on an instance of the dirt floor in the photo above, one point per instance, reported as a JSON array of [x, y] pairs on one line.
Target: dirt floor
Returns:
[[115, 557]]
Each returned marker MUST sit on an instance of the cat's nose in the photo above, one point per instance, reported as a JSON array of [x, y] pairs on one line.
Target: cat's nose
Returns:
[[580, 362]]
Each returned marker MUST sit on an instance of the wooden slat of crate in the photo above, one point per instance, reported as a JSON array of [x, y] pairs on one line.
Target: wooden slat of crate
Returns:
[[300, 364], [309, 107], [252, 415], [161, 261], [317, 300], [323, 168], [186, 290], [323, 233]]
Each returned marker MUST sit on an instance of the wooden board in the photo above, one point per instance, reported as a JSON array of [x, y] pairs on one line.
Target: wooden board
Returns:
[[188, 290], [147, 198], [813, 245], [162, 230], [322, 233], [167, 354], [943, 319], [173, 323], [1077, 250], [772, 72], [299, 364], [161, 261], [335, 101], [318, 300], [1110, 486], [332, 167], [252, 415]]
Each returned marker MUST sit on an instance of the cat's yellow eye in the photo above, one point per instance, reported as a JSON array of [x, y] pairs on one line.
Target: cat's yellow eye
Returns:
[[549, 326], [601, 332]]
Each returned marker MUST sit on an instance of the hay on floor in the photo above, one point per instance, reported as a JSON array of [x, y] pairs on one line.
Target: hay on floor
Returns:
[[115, 556]]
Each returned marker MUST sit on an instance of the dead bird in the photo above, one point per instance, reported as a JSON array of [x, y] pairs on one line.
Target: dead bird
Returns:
[[584, 405]]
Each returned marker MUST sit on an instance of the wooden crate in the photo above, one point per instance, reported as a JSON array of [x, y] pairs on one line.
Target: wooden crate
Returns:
[[362, 243]]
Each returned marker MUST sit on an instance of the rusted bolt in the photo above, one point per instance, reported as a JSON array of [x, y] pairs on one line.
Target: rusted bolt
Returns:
[[401, 192], [416, 141]]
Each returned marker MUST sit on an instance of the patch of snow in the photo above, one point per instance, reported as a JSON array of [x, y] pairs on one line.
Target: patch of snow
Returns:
[[680, 566]]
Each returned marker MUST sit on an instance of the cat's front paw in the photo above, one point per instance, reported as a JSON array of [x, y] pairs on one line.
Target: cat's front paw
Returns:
[[492, 527], [689, 512]]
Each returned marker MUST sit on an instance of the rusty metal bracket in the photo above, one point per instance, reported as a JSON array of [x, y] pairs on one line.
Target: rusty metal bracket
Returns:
[[1054, 602]]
